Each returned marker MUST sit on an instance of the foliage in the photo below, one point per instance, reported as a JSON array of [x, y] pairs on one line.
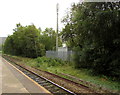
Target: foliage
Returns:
[[24, 42], [92, 30], [30, 42], [46, 64], [0, 47], [48, 61], [48, 38]]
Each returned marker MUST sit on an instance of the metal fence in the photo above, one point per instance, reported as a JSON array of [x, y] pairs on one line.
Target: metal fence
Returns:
[[64, 55]]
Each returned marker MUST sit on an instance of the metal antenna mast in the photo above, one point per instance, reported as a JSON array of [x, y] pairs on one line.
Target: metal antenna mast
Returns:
[[57, 7]]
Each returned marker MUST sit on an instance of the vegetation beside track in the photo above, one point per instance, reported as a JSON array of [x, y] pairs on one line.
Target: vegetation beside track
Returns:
[[58, 67], [91, 30]]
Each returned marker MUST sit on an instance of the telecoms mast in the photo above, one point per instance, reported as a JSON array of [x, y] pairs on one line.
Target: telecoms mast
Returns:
[[57, 7]]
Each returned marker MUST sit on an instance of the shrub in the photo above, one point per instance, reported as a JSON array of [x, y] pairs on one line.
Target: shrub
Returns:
[[49, 61]]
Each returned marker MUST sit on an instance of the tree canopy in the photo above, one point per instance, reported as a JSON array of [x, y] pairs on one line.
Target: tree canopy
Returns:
[[29, 41], [92, 30]]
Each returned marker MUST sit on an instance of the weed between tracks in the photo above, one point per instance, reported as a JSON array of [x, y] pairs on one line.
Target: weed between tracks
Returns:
[[57, 66]]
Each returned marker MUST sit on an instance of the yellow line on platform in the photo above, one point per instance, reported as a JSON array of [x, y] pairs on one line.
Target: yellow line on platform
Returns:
[[28, 77]]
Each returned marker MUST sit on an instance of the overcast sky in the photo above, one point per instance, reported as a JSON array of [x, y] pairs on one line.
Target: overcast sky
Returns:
[[42, 13]]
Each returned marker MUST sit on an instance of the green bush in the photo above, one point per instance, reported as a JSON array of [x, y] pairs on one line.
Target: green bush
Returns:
[[24, 42], [49, 61], [101, 61]]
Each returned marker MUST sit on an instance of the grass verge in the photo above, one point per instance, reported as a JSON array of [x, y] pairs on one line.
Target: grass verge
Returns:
[[57, 66]]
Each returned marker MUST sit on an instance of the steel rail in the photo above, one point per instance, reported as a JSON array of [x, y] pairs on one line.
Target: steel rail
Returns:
[[42, 77]]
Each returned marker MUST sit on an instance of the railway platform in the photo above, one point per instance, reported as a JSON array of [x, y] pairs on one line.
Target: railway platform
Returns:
[[14, 81]]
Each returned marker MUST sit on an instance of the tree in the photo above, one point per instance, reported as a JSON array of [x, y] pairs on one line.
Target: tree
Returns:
[[30, 42], [24, 42], [48, 38], [0, 47], [92, 30]]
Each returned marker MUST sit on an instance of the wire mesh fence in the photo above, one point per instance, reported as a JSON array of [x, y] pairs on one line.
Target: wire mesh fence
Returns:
[[64, 55]]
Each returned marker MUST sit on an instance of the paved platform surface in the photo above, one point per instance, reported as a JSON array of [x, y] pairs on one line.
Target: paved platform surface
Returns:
[[12, 81]]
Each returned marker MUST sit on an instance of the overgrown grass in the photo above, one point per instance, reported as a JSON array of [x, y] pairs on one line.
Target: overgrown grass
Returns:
[[58, 66]]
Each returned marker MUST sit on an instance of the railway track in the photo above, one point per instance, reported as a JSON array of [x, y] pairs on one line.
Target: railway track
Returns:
[[50, 85], [46, 83]]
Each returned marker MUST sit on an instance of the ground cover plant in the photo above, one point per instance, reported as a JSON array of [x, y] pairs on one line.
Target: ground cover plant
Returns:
[[58, 66]]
